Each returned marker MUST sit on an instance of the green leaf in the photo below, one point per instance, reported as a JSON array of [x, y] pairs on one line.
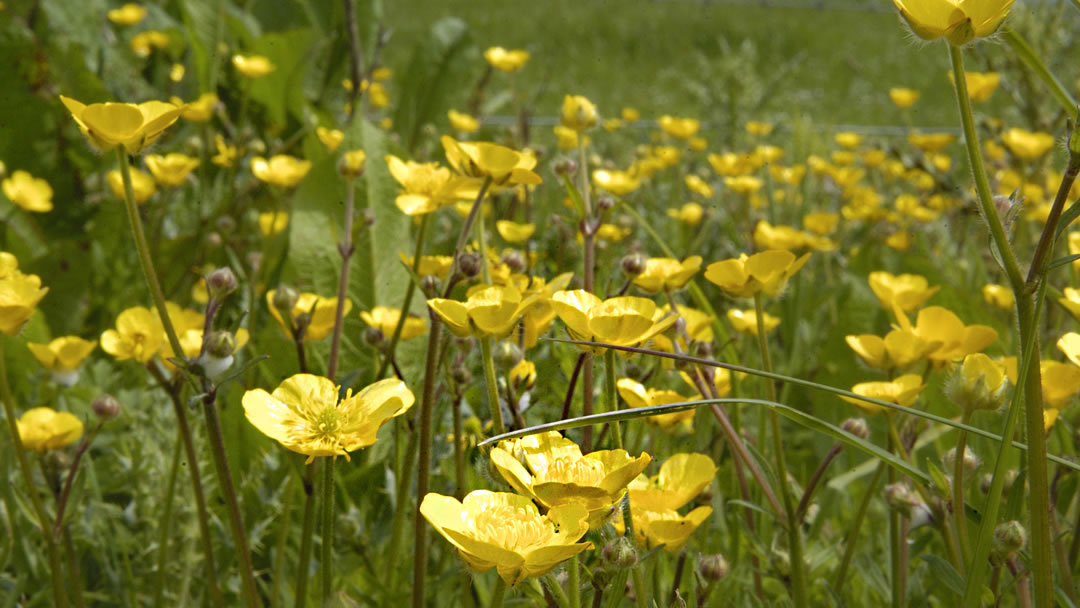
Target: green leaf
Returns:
[[1061, 262], [281, 92], [944, 573]]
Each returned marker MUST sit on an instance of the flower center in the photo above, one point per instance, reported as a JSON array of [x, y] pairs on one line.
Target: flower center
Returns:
[[511, 527], [579, 471]]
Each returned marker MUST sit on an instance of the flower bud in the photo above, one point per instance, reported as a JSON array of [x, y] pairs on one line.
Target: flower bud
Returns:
[[470, 264], [225, 223], [374, 337], [1009, 537], [254, 260], [221, 282], [257, 147], [285, 300], [367, 218], [901, 499], [352, 163], [515, 260], [193, 145], [857, 427], [605, 203], [713, 567], [213, 240], [302, 321], [978, 384], [507, 354], [971, 461], [619, 554], [106, 406], [633, 264], [461, 375], [220, 344], [566, 167], [430, 285]]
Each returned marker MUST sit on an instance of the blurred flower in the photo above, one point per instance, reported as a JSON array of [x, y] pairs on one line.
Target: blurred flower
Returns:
[[1027, 145], [941, 326], [426, 187], [623, 321], [754, 127], [128, 14], [431, 265], [463, 122], [619, 183], [848, 139], [1070, 345], [980, 85], [43, 428], [19, 294], [253, 66], [821, 223], [567, 137], [636, 395], [138, 335], [176, 72], [512, 232], [978, 384], [387, 319], [377, 96], [654, 501], [280, 170], [62, 357], [743, 184], [900, 240], [352, 163], [767, 236], [679, 128], [320, 310], [1060, 382], [908, 291], [506, 60], [699, 186], [766, 272], [123, 124], [961, 21], [488, 310], [171, 169], [304, 414], [931, 143], [578, 113], [667, 274], [901, 391], [331, 138], [503, 165], [551, 470], [630, 114], [745, 321], [1071, 301], [611, 233], [506, 531], [31, 193], [273, 222], [143, 185], [226, 154], [690, 213], [144, 43], [200, 110], [903, 98], [999, 296]]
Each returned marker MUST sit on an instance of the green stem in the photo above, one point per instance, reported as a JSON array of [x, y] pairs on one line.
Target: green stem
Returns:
[[73, 569], [59, 594], [166, 521], [327, 527], [588, 235], [851, 540], [1034, 63], [463, 238], [639, 586], [612, 395], [497, 593], [427, 406], [388, 354], [573, 582], [282, 540], [798, 575], [307, 531], [489, 380], [346, 251], [958, 494]]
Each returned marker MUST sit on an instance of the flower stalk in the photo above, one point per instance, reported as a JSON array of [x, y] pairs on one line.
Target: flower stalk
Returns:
[[327, 527]]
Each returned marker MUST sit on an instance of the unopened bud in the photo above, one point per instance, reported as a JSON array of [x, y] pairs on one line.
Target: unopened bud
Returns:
[[193, 145], [284, 301], [225, 223], [374, 337], [619, 553], [470, 264], [633, 264], [901, 499], [221, 282], [857, 427], [1009, 537], [515, 260], [461, 375], [971, 461], [507, 354], [257, 147], [566, 167], [213, 240], [430, 284], [254, 260], [302, 321], [605, 203], [220, 344], [106, 406], [713, 567]]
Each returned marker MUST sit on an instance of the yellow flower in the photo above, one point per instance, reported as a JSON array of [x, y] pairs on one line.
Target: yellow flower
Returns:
[[176, 72], [999, 296], [636, 395], [769, 154], [611, 233], [941, 326], [730, 164], [630, 114], [63, 356], [506, 531], [273, 222], [931, 143], [304, 414], [623, 321], [463, 122], [666, 274], [331, 138], [898, 349], [506, 60], [128, 14], [1071, 301], [386, 320], [848, 139], [200, 110], [512, 232], [539, 317], [377, 96], [431, 265], [503, 165], [978, 384], [767, 236], [1060, 382], [961, 21], [619, 183], [489, 310], [899, 241], [143, 185], [352, 163], [1027, 145], [679, 128], [567, 137], [135, 127], [654, 501], [578, 113], [743, 184], [745, 321], [903, 98], [766, 272], [551, 470], [144, 43], [690, 213], [1070, 345], [908, 291], [43, 428], [31, 193], [320, 310], [226, 154], [754, 127], [699, 186], [980, 85], [426, 187], [138, 335], [19, 295], [901, 391], [171, 169], [253, 66], [821, 223], [281, 170]]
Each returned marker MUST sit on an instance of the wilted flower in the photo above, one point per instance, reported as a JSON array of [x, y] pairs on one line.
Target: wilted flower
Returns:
[[43, 428], [280, 170], [29, 192], [135, 127]]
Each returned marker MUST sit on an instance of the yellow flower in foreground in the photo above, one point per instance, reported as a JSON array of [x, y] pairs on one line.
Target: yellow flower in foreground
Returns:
[[903, 98], [506, 60], [954, 339], [901, 391], [426, 187], [690, 213], [387, 319], [1027, 145], [623, 321], [999, 296], [143, 185], [961, 21], [331, 138], [128, 14], [63, 356], [171, 169], [506, 531], [908, 291], [679, 128], [636, 395], [745, 321], [898, 349], [503, 165], [280, 170], [29, 192], [512, 232], [539, 317], [253, 66], [578, 113], [667, 274], [135, 127], [304, 414], [273, 222], [550, 469], [319, 310], [138, 335], [619, 183], [463, 122], [43, 428], [654, 501], [489, 310], [766, 272], [978, 384]]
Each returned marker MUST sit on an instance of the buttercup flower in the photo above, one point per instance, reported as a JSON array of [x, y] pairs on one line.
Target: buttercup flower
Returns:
[[29, 192], [320, 310], [848, 139], [304, 414], [578, 113], [901, 391], [426, 187], [281, 170], [619, 183], [954, 339], [999, 296], [138, 335], [352, 163], [226, 154], [745, 321], [980, 85], [506, 531], [550, 469], [623, 321], [200, 110], [898, 349], [171, 169], [690, 213], [483, 159], [679, 128], [538, 317], [654, 501], [331, 138], [506, 60], [386, 319], [19, 295], [667, 274], [766, 272], [908, 291], [512, 232], [128, 14], [43, 428], [143, 185], [566, 137], [253, 66], [903, 98], [821, 223], [273, 222], [463, 122], [636, 395], [961, 21], [62, 357], [1070, 345], [144, 43], [754, 127], [699, 186], [489, 310], [123, 124], [1027, 145], [978, 384]]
